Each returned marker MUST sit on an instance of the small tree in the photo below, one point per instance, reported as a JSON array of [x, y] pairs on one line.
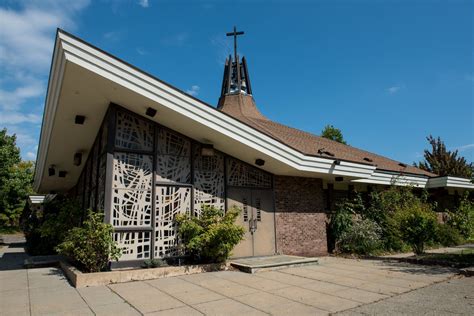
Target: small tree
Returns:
[[417, 225], [211, 236], [91, 246], [332, 133], [444, 162]]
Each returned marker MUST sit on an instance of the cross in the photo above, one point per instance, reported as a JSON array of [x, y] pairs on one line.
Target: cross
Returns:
[[235, 34]]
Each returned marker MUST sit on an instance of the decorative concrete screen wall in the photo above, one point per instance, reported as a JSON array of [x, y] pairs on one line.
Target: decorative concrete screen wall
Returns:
[[143, 174]]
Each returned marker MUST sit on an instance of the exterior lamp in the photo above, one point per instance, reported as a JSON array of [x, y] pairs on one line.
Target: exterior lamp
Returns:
[[259, 162], [79, 120], [51, 170], [150, 112], [339, 179], [77, 159], [207, 150]]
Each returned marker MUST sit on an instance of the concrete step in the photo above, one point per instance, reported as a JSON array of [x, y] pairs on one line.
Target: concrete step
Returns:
[[258, 264]]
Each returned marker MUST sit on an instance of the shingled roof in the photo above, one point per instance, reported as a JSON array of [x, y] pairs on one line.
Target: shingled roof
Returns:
[[243, 108]]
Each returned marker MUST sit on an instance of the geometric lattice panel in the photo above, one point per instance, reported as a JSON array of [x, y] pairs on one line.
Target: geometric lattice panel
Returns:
[[131, 208], [208, 181], [166, 239], [242, 175], [171, 201], [170, 143], [132, 171], [134, 245], [133, 133], [101, 182], [173, 162]]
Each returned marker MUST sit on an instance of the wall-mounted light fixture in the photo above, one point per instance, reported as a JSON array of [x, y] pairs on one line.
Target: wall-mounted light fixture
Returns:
[[79, 120], [62, 174], [259, 162], [77, 159], [52, 170], [339, 179], [207, 150], [150, 112], [337, 162]]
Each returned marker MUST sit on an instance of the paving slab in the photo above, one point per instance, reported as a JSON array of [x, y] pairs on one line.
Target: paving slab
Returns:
[[99, 295], [180, 311], [227, 307], [329, 303], [145, 297], [122, 309]]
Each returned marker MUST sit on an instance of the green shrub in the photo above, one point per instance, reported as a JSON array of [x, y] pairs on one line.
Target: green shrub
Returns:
[[448, 236], [382, 209], [417, 224], [463, 218], [362, 237], [211, 236], [154, 263], [47, 229], [90, 246], [341, 220]]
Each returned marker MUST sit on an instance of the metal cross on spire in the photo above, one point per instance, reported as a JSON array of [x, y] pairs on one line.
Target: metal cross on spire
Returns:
[[235, 34]]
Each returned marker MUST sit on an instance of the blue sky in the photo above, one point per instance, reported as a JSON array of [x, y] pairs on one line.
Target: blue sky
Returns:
[[388, 73]]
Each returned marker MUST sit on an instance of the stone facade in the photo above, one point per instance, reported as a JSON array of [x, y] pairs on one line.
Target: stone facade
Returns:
[[300, 216]]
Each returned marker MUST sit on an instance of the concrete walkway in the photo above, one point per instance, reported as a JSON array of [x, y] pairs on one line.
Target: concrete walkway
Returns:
[[335, 285]]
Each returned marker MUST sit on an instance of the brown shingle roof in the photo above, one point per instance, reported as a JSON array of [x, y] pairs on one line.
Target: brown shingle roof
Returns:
[[243, 108]]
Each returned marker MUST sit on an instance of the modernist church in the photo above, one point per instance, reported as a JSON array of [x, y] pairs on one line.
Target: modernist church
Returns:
[[125, 142]]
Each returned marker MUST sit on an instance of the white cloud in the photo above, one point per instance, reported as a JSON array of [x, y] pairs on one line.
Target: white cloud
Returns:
[[393, 90], [194, 91], [31, 155], [144, 3], [13, 118], [27, 31], [465, 147]]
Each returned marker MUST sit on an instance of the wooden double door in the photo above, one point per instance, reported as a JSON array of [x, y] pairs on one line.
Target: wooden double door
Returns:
[[258, 219]]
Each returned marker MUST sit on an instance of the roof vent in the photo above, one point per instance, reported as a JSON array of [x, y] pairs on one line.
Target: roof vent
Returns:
[[401, 164], [368, 159], [321, 151]]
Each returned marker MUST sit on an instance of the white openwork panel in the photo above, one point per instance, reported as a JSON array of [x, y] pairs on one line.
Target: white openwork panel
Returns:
[[170, 143], [133, 133], [171, 201], [92, 200], [166, 240], [132, 171], [208, 181], [173, 169], [131, 208], [242, 175], [134, 245]]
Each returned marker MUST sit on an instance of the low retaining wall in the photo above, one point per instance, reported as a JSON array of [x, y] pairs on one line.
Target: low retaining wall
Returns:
[[79, 279]]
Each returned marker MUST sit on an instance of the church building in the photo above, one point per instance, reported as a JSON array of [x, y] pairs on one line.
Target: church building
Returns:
[[125, 142]]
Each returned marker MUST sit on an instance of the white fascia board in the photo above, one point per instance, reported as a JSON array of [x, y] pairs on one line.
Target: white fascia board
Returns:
[[389, 178], [83, 55], [450, 182], [52, 96]]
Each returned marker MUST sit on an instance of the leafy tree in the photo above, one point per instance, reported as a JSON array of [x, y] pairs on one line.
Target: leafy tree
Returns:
[[444, 162], [330, 132], [15, 180]]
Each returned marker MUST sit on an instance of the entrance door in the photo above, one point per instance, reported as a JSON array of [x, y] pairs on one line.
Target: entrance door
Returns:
[[257, 218]]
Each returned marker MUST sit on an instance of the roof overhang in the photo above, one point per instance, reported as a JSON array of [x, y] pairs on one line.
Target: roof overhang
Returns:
[[84, 80], [450, 182], [393, 178]]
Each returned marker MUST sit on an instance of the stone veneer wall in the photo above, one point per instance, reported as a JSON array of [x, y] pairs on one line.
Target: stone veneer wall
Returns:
[[300, 216]]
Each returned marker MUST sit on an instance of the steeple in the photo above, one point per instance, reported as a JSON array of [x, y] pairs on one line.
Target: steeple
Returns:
[[236, 77], [236, 93]]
